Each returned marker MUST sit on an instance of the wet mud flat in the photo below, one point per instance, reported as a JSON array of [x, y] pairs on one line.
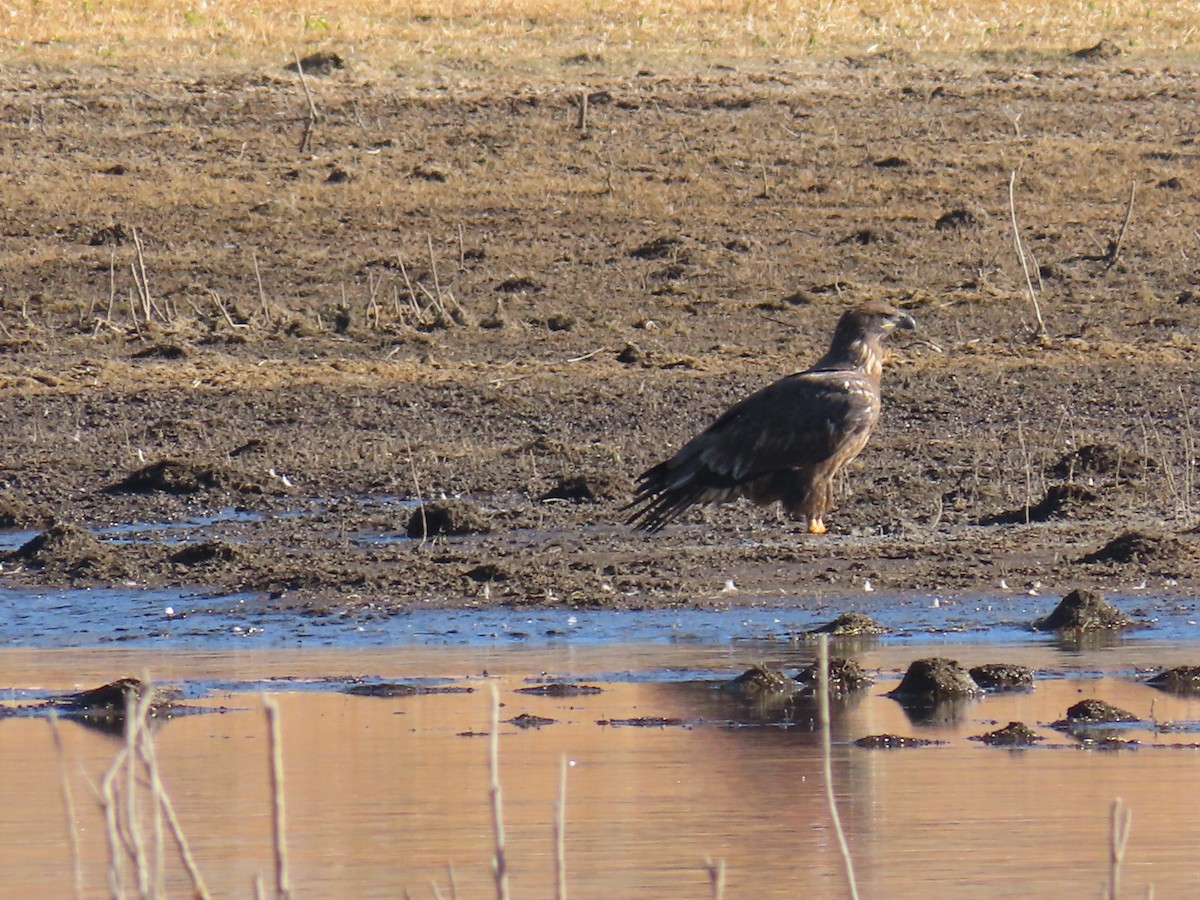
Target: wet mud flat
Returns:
[[454, 291]]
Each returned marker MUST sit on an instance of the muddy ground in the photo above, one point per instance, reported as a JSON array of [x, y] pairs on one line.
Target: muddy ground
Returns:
[[446, 286]]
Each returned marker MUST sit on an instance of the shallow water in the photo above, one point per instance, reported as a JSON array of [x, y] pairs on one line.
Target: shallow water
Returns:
[[384, 794]]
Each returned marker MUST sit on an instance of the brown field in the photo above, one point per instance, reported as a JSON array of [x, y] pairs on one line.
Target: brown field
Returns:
[[430, 279]]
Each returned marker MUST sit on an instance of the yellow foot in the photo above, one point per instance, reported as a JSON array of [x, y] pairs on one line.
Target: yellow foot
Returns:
[[816, 526]]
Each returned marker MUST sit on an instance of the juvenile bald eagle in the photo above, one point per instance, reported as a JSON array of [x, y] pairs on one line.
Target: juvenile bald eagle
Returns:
[[787, 441]]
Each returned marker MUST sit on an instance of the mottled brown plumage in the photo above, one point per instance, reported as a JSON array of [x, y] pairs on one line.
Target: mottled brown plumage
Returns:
[[787, 441]]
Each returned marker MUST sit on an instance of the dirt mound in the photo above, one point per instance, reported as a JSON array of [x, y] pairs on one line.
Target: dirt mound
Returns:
[[1141, 548], [1183, 680], [447, 517], [15, 513], [170, 476], [1102, 459], [591, 488], [934, 679], [760, 683], [1002, 677], [1062, 501], [1086, 711], [845, 676], [1014, 734], [204, 552], [893, 742], [1083, 610], [851, 625], [67, 550]]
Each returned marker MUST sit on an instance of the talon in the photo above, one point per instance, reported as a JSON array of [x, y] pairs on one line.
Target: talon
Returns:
[[816, 526]]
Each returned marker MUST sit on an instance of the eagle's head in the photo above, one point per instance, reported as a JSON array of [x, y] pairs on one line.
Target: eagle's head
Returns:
[[860, 331]]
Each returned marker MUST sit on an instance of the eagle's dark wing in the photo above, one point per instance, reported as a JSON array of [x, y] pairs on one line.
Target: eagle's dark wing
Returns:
[[793, 424]]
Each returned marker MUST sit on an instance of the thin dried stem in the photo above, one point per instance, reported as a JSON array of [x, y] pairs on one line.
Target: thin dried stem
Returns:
[[560, 834], [68, 805], [1118, 839], [716, 877], [499, 860], [1023, 257], [1114, 249], [283, 887], [827, 761]]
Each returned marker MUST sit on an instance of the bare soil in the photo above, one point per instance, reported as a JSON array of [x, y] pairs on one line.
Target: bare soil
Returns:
[[213, 300]]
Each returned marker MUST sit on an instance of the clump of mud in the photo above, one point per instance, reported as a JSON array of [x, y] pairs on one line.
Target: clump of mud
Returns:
[[760, 683], [850, 625], [590, 487], [1102, 460], [561, 689], [1062, 501], [1179, 680], [935, 679], [893, 742], [845, 676], [106, 708], [1003, 677], [447, 517], [643, 722], [1141, 547], [1097, 711], [528, 720], [16, 514], [204, 552], [402, 689], [67, 550], [1083, 610], [169, 476], [1014, 734]]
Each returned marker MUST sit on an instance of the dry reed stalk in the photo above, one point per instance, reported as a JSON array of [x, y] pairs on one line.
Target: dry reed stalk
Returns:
[[283, 887], [68, 806], [827, 761], [262, 294], [499, 860], [453, 881], [1114, 249], [311, 121], [716, 877], [560, 834], [581, 121], [412, 465], [1024, 257], [1120, 821]]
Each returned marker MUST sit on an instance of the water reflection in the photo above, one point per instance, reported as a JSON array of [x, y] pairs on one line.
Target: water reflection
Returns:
[[384, 792]]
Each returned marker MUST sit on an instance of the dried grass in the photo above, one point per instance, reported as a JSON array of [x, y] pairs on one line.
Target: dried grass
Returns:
[[516, 33]]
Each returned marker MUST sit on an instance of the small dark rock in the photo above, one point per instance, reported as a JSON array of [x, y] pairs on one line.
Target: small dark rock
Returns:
[[430, 173], [631, 354], [1179, 680], [518, 286], [337, 176], [957, 219], [1083, 610], [934, 679], [487, 572], [1014, 734], [851, 624], [118, 169], [318, 64], [893, 742], [891, 162], [113, 698], [1105, 49], [658, 248], [560, 322], [447, 517], [866, 236], [528, 720], [161, 351], [401, 689], [1002, 677]]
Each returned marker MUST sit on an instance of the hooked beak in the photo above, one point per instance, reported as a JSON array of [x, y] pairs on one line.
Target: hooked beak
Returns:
[[903, 320]]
